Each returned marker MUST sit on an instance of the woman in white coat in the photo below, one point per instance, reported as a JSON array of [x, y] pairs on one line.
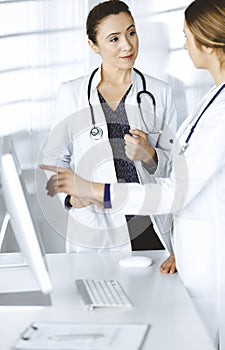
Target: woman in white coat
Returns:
[[111, 34], [195, 190]]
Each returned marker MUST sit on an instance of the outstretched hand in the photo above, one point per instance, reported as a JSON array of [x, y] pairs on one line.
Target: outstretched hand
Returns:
[[66, 181]]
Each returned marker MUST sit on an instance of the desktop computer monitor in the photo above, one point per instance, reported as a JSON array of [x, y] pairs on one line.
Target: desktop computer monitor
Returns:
[[15, 197]]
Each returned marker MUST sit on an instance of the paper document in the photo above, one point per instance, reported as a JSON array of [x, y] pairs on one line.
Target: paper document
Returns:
[[58, 336]]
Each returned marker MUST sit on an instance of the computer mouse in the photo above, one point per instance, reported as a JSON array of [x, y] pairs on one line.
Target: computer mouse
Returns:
[[136, 261]]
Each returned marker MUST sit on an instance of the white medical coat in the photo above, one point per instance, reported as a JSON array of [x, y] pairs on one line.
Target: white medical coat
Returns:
[[195, 195], [70, 145]]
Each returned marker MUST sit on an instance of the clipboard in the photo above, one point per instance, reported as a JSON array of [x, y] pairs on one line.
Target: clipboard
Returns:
[[58, 336]]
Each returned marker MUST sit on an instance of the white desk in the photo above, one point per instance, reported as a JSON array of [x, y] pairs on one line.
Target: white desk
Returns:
[[159, 300]]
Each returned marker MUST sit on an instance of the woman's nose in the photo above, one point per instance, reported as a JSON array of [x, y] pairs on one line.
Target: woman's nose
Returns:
[[126, 44]]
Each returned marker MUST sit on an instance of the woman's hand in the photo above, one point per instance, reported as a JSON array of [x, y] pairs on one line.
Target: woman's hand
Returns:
[[138, 148], [66, 181], [77, 203], [169, 265]]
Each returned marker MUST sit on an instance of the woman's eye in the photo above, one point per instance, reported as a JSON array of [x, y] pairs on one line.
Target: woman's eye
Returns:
[[113, 39], [132, 33]]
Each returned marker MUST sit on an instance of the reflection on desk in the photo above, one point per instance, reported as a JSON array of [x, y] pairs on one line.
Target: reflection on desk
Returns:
[[158, 300]]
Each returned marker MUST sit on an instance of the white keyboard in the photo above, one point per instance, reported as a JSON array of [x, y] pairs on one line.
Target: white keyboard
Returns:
[[102, 293]]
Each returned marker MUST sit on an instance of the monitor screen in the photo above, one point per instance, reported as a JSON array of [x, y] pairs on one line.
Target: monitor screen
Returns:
[[14, 193]]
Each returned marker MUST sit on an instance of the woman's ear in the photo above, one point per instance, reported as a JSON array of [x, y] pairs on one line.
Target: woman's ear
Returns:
[[93, 46], [207, 49]]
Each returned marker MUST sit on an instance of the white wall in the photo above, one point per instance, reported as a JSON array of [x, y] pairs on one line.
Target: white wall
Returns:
[[41, 44]]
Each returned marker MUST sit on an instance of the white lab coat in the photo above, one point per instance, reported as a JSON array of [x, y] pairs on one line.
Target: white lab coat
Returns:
[[90, 228], [195, 195]]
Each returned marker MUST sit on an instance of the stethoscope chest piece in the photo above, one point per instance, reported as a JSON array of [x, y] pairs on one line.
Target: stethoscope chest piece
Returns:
[[96, 133]]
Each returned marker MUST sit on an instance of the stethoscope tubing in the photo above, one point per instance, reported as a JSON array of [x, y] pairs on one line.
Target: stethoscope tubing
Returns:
[[89, 96], [187, 141], [96, 132], [207, 106]]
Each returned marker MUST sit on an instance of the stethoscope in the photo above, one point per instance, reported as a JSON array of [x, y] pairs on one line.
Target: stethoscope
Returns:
[[187, 141], [96, 132]]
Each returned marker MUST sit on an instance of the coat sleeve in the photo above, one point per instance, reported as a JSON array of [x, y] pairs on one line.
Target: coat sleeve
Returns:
[[165, 139], [58, 148]]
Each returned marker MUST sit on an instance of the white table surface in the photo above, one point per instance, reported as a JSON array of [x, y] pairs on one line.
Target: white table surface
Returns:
[[159, 300]]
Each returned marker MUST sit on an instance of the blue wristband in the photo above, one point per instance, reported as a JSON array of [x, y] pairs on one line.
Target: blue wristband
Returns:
[[107, 199], [67, 204]]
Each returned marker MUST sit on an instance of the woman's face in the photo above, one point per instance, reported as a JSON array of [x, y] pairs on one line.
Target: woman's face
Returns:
[[196, 53], [117, 41]]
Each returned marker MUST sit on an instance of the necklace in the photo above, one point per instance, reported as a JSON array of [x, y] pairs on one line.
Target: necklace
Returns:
[[109, 85]]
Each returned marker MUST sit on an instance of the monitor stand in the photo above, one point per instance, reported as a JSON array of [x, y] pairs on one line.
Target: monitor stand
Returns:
[[8, 260], [5, 223], [13, 260]]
